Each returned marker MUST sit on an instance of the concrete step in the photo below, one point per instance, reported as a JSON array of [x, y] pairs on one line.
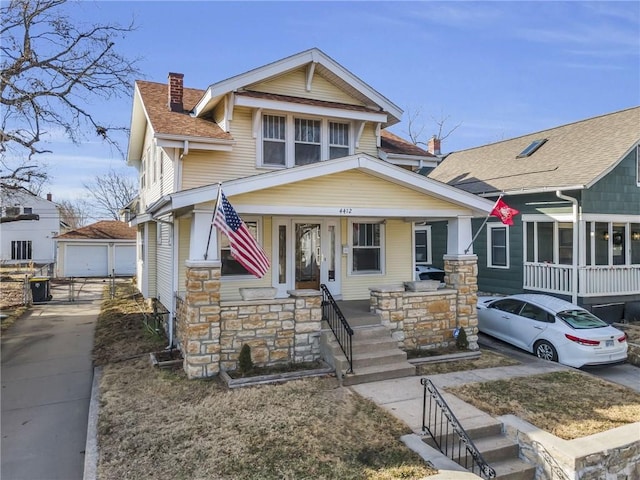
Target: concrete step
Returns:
[[370, 359], [477, 432], [496, 448], [379, 372], [370, 331], [514, 469]]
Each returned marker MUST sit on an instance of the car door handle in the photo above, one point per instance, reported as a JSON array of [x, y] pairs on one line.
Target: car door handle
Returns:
[[538, 328], [505, 316]]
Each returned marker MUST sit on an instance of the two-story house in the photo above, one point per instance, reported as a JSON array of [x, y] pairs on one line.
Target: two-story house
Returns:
[[577, 187], [27, 227], [300, 150]]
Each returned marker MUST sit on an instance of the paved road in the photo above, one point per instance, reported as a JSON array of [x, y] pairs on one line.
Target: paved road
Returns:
[[624, 374], [46, 385]]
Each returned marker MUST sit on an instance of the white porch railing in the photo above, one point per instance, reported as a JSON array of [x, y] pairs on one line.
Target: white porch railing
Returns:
[[592, 280]]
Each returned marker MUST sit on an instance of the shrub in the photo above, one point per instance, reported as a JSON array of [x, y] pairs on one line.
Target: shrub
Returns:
[[245, 364], [461, 340]]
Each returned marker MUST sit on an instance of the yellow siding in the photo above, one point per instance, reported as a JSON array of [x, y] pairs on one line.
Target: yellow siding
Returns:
[[229, 286], [152, 262], [205, 168], [368, 142], [184, 226], [294, 84], [347, 189], [398, 258], [165, 266]]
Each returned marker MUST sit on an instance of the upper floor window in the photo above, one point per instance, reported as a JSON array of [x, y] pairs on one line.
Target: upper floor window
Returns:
[[338, 140], [288, 140], [12, 211], [21, 250], [367, 248]]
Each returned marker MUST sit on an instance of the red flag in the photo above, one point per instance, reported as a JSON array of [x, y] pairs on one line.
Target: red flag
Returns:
[[244, 248], [504, 212]]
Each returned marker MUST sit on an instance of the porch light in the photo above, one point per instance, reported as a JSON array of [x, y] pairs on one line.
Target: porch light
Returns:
[[635, 235], [605, 236]]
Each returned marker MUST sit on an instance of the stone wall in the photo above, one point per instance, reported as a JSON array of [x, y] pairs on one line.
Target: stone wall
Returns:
[[461, 274], [278, 331], [417, 320], [610, 455], [210, 333]]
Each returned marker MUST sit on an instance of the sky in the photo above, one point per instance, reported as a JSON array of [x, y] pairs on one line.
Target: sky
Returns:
[[497, 69]]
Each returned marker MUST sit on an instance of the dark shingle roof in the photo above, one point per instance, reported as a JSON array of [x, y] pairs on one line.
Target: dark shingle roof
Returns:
[[573, 155], [104, 230]]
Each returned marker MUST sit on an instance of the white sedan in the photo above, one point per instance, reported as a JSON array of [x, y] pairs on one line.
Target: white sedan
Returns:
[[552, 329]]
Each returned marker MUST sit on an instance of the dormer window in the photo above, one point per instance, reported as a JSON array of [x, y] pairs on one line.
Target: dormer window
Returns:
[[533, 146], [289, 140]]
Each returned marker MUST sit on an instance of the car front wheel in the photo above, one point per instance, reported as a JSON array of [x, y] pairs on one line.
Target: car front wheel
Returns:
[[546, 351]]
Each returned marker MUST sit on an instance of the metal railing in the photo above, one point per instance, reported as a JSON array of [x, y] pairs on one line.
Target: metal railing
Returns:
[[338, 324], [448, 435]]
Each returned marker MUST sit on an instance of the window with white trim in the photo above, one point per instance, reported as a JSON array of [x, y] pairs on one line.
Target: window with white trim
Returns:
[[338, 140], [422, 244], [497, 246], [230, 266], [289, 140], [366, 248], [21, 250]]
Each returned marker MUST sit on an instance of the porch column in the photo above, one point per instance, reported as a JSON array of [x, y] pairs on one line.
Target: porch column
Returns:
[[461, 274], [198, 325], [459, 236], [202, 231]]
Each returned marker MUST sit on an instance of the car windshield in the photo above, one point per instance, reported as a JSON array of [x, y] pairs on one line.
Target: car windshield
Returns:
[[580, 319]]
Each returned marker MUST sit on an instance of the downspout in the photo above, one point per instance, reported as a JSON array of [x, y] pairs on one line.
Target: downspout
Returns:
[[576, 239]]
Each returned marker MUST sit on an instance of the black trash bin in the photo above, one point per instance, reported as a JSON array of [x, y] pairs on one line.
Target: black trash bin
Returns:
[[40, 289]]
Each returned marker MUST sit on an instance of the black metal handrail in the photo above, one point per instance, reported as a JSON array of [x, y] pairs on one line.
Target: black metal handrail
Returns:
[[339, 325], [448, 435]]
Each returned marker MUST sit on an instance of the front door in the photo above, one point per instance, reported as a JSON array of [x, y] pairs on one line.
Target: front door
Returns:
[[308, 255]]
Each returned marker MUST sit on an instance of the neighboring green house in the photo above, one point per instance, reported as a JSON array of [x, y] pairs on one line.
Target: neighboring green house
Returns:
[[577, 188]]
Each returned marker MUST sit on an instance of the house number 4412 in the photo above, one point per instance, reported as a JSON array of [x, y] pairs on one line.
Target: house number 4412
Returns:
[[346, 211]]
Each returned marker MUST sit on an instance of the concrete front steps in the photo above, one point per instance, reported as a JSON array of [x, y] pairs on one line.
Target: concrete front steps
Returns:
[[498, 451], [376, 355]]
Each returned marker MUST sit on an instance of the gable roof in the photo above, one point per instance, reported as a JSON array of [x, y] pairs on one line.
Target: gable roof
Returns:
[[574, 156], [104, 230], [164, 122], [316, 62]]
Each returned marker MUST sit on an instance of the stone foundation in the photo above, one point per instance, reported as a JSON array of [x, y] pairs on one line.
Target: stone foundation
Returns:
[[461, 274]]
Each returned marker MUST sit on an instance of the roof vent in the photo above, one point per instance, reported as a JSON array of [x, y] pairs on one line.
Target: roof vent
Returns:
[[533, 146]]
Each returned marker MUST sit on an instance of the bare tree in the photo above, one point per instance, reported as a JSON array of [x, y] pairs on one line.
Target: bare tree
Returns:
[[416, 127], [52, 68], [111, 192], [74, 214]]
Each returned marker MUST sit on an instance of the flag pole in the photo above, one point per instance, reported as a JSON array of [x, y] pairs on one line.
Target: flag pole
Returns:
[[466, 250], [215, 209]]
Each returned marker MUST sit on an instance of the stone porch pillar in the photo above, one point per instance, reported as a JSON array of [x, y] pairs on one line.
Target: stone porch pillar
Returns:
[[198, 329], [461, 274]]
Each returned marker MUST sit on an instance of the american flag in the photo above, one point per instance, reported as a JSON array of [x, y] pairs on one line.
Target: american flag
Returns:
[[244, 248]]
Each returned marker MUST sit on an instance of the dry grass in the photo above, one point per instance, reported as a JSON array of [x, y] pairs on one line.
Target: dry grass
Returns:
[[487, 359], [155, 423], [11, 297], [567, 404]]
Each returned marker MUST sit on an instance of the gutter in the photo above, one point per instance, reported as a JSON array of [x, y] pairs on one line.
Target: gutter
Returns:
[[577, 221], [531, 190]]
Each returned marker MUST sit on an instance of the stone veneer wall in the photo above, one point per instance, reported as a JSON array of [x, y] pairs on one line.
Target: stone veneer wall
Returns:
[[426, 320], [211, 333], [278, 331], [417, 320], [610, 455]]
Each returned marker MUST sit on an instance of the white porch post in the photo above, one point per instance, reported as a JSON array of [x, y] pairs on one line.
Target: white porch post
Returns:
[[200, 228], [459, 236]]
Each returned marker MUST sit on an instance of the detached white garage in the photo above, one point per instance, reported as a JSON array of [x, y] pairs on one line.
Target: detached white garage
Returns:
[[98, 250]]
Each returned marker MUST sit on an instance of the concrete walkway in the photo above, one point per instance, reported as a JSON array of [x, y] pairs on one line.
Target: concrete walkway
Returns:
[[46, 386]]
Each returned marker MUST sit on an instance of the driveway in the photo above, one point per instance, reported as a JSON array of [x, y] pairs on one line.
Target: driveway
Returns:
[[624, 374], [46, 385]]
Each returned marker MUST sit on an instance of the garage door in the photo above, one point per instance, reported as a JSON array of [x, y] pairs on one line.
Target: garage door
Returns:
[[86, 261], [125, 260]]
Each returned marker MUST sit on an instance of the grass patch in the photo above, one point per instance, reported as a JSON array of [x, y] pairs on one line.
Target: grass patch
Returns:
[[120, 330], [155, 423], [487, 359], [567, 404]]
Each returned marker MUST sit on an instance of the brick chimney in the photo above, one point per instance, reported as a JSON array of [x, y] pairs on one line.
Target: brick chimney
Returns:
[[49, 197], [434, 146], [175, 92]]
